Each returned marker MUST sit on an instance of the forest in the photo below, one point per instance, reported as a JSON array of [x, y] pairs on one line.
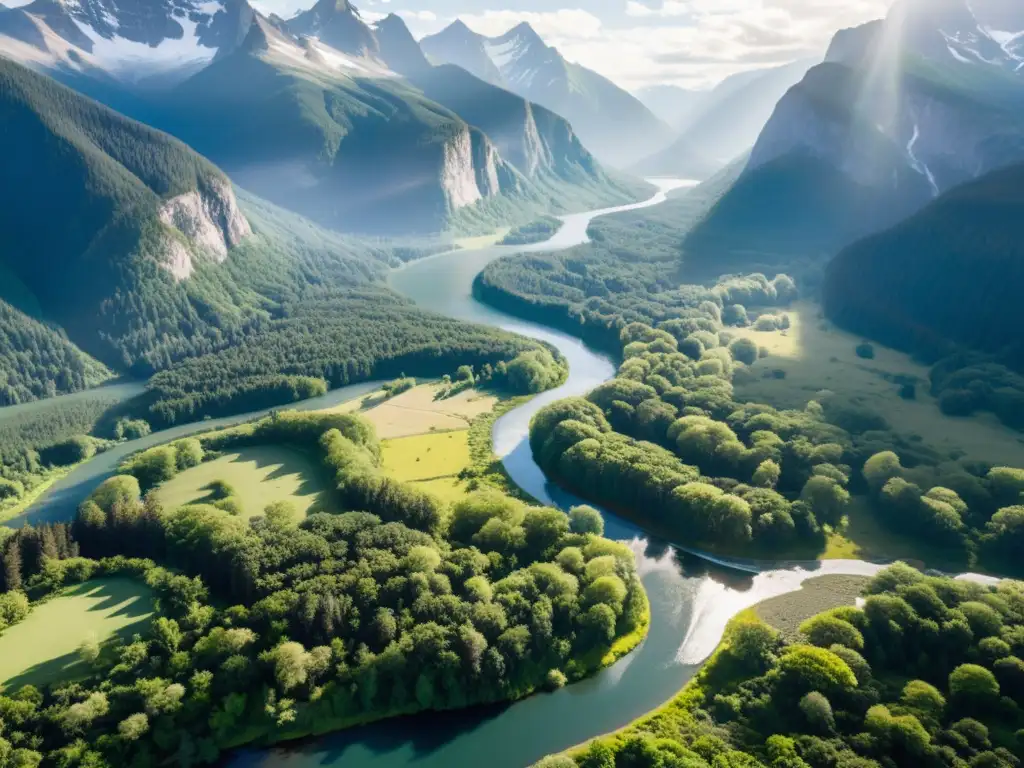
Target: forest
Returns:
[[928, 672], [665, 443], [278, 628], [535, 232]]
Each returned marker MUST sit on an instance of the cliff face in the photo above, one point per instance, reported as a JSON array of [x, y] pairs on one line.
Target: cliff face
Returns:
[[209, 218], [932, 89]]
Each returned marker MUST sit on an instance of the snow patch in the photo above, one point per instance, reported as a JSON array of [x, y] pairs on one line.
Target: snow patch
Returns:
[[918, 165], [133, 61]]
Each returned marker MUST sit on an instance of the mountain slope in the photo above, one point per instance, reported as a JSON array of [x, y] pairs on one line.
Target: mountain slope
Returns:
[[315, 114], [725, 123], [954, 272], [610, 122], [898, 113], [110, 221]]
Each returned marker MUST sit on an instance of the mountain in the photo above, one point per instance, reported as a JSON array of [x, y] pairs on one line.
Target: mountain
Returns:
[[900, 111], [110, 220], [673, 104], [952, 273], [150, 41], [610, 122], [330, 116], [725, 123]]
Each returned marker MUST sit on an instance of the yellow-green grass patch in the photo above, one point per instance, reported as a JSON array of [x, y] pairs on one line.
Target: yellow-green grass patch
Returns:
[[815, 356], [44, 647], [260, 475], [447, 489], [419, 410], [426, 457]]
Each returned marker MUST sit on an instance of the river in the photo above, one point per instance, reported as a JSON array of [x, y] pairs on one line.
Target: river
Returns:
[[691, 599]]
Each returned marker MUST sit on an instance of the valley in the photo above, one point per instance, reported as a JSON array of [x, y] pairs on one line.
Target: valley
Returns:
[[359, 407]]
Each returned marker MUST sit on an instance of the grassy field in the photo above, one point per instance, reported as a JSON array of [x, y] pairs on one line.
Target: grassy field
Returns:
[[44, 647], [260, 475], [427, 457], [817, 356], [787, 612], [418, 410]]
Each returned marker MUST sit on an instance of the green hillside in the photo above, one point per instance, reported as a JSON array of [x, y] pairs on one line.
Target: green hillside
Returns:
[[952, 274]]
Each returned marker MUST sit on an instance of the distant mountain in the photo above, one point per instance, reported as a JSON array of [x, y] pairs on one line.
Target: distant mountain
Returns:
[[900, 111], [673, 104], [953, 273], [610, 122], [330, 116], [724, 123], [110, 220]]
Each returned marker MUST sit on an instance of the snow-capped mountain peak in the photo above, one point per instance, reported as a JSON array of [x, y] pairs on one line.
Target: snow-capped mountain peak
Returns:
[[131, 40]]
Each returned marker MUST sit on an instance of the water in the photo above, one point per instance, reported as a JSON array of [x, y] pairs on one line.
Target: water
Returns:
[[61, 501], [691, 599]]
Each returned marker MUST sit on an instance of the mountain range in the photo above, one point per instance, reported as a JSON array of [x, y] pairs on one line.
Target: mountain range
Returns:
[[900, 111], [325, 114], [520, 61], [717, 126]]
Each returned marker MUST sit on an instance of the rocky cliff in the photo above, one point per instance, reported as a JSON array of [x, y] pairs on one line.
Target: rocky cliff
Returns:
[[210, 221]]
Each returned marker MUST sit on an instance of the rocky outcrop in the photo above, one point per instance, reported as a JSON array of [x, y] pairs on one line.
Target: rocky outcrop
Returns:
[[209, 219]]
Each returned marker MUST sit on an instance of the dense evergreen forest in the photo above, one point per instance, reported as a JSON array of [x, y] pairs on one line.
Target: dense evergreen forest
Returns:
[[927, 673], [667, 444], [535, 232], [276, 628], [944, 280]]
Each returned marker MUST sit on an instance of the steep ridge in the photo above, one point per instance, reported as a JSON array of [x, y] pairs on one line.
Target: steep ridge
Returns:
[[899, 112], [108, 212], [612, 123], [951, 274], [330, 116], [725, 123]]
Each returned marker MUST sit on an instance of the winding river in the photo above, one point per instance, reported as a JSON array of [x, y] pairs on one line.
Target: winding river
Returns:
[[691, 598]]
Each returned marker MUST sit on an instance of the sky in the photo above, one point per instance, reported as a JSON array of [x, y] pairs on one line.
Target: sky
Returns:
[[693, 43]]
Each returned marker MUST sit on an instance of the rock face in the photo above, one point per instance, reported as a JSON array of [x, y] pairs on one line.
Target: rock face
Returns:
[[612, 123], [901, 111], [209, 219], [135, 41], [931, 89]]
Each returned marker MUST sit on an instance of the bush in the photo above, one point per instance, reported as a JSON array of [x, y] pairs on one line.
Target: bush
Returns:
[[744, 350], [866, 351], [131, 429], [735, 314], [71, 451]]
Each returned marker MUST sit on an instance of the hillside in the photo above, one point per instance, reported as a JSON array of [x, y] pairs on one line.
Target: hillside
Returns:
[[317, 113], [900, 111], [138, 213], [612, 123], [952, 273]]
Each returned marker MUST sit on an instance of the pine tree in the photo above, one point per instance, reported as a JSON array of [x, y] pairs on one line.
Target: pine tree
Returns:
[[12, 564]]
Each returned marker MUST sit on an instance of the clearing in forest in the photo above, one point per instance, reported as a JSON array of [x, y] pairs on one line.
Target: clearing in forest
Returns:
[[259, 476], [815, 355], [44, 647], [427, 457], [418, 410], [787, 612]]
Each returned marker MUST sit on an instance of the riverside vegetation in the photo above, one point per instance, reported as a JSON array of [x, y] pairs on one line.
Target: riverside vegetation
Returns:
[[927, 673], [668, 437], [278, 627]]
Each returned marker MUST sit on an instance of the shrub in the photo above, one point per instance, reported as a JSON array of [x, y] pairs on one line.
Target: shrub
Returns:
[[865, 351], [735, 314], [744, 350], [973, 686]]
